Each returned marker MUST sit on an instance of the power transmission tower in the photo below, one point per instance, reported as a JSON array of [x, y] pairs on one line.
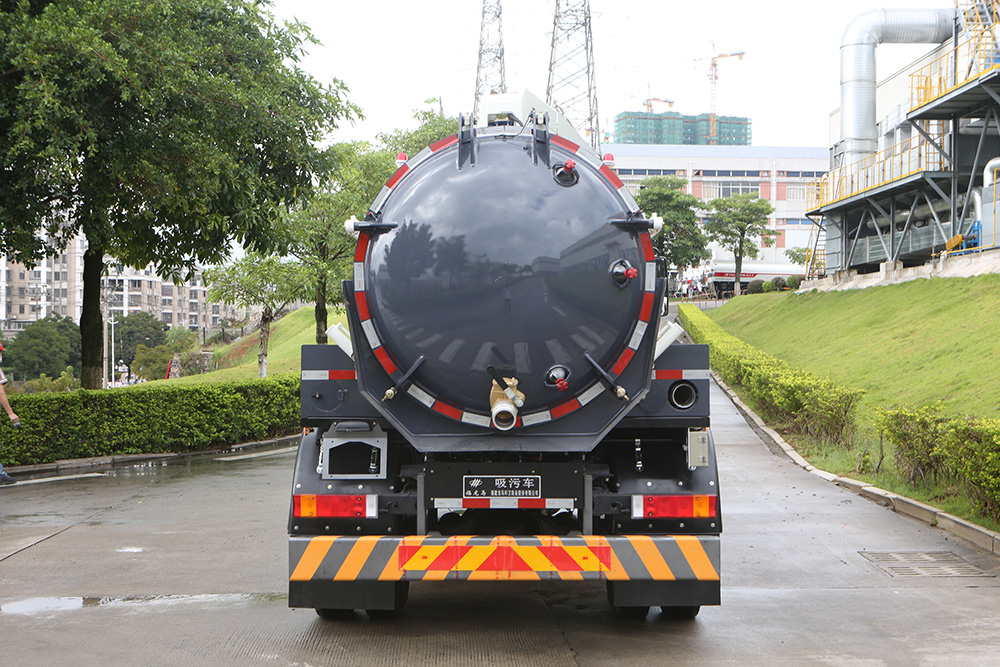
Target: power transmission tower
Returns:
[[571, 87], [489, 73]]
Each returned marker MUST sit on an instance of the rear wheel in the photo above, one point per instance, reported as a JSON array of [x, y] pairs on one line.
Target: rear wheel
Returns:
[[680, 613]]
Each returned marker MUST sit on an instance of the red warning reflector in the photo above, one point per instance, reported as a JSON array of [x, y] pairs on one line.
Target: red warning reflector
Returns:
[[674, 507]]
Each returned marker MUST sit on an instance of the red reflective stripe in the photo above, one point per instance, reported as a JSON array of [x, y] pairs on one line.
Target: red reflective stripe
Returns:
[[565, 143], [362, 302], [647, 307], [443, 143], [362, 250], [611, 176], [449, 410], [383, 358], [476, 503], [343, 375], [623, 361], [395, 177], [670, 375], [647, 246], [564, 409], [531, 503]]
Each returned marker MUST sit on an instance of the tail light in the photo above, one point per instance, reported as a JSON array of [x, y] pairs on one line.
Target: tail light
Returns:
[[352, 506], [674, 507]]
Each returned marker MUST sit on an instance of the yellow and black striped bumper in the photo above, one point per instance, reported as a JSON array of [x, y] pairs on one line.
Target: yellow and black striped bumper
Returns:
[[505, 558]]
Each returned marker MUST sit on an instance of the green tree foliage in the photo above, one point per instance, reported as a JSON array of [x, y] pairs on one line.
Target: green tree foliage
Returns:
[[152, 363], [680, 241], [738, 224], [799, 256], [431, 127], [134, 330], [161, 130], [41, 348], [43, 383], [315, 231], [259, 281]]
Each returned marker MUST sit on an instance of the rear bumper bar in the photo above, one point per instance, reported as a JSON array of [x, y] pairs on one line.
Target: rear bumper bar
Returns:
[[504, 558]]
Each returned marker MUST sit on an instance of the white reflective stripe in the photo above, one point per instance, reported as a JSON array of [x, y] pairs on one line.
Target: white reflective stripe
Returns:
[[559, 503], [370, 334], [503, 503], [637, 507], [476, 420], [536, 418], [698, 375], [650, 276], [359, 276], [371, 506], [419, 157], [448, 503], [590, 394], [421, 395], [377, 205], [640, 330], [315, 375]]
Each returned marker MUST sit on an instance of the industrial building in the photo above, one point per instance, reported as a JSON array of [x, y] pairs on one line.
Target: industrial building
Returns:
[[915, 156], [781, 175], [670, 127], [55, 287]]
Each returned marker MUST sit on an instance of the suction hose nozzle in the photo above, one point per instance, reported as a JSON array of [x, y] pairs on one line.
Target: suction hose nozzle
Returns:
[[503, 406]]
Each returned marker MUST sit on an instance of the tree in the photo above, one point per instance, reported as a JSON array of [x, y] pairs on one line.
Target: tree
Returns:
[[258, 280], [134, 330], [680, 241], [161, 130], [431, 127], [41, 348], [799, 256], [152, 363], [68, 328], [315, 231], [737, 223]]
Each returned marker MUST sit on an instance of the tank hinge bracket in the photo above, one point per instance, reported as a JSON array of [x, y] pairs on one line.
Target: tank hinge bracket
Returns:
[[403, 381], [606, 379], [466, 141], [541, 138], [373, 225]]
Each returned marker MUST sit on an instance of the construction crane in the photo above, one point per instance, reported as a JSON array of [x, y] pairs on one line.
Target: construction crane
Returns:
[[649, 103], [713, 78]]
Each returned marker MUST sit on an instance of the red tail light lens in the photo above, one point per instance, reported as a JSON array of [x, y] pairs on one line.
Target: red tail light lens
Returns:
[[674, 507], [353, 506]]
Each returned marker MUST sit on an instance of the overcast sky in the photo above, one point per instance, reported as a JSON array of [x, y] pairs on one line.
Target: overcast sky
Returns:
[[394, 54]]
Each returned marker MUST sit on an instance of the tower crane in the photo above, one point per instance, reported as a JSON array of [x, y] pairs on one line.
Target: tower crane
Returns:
[[649, 103], [713, 78]]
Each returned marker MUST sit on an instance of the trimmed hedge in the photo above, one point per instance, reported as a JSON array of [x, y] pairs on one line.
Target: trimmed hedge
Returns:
[[811, 404], [967, 447], [152, 418]]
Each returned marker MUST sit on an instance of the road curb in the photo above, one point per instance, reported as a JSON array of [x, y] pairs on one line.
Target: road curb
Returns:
[[983, 538], [66, 465]]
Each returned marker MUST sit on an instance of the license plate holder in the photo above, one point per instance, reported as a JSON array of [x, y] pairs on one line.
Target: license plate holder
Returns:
[[501, 486]]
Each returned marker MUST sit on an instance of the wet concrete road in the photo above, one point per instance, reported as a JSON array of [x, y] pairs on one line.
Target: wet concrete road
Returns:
[[185, 564]]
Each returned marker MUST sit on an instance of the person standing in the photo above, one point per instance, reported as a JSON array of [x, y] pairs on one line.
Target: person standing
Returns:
[[4, 477]]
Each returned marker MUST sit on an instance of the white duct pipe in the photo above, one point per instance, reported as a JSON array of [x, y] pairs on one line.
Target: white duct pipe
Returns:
[[342, 338], [989, 170], [667, 335], [857, 66]]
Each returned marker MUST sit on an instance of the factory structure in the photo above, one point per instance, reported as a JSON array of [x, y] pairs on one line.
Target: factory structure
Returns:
[[914, 157]]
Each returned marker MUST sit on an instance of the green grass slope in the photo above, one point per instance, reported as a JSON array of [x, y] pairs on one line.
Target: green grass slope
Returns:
[[917, 342], [238, 361]]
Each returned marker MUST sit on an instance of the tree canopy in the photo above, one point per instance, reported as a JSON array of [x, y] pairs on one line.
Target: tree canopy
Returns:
[[681, 241], [161, 130], [258, 280], [738, 223], [137, 329], [41, 348]]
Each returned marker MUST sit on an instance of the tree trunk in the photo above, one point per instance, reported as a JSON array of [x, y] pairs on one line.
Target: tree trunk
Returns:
[[265, 332], [739, 274], [321, 325], [91, 330]]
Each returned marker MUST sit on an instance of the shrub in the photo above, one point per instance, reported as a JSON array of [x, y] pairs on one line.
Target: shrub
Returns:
[[793, 282], [755, 287], [148, 419], [915, 434], [971, 448], [812, 405], [779, 283], [768, 286]]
